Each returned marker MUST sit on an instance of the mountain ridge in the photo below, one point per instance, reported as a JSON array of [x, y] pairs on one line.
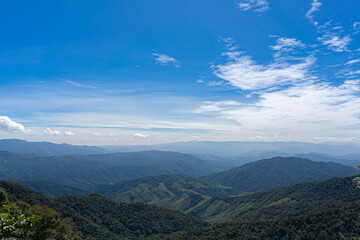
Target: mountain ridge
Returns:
[[267, 174]]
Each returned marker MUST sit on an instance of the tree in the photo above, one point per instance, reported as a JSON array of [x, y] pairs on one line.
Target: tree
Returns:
[[19, 220]]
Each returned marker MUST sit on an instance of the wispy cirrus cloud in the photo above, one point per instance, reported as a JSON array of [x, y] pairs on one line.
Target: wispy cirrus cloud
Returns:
[[287, 44], [335, 42], [353, 61], [313, 108], [209, 106], [315, 6], [287, 93], [9, 125], [164, 59], [286, 47], [331, 36], [76, 84], [243, 72], [254, 5], [230, 43]]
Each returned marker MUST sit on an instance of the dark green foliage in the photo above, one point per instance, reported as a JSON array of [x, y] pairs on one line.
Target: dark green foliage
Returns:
[[84, 171], [330, 224], [300, 196], [15, 224], [276, 172], [179, 192], [100, 218], [50, 189], [16, 192], [19, 220], [290, 209], [97, 216]]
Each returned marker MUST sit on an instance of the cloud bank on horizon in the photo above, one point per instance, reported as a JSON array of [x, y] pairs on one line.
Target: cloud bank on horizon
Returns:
[[275, 78]]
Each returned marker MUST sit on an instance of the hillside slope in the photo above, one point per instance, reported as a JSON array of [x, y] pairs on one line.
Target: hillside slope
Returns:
[[333, 224], [277, 172], [178, 192], [294, 200], [100, 218], [50, 189]]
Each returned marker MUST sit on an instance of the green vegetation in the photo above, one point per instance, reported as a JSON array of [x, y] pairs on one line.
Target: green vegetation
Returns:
[[19, 220], [50, 189], [100, 218], [315, 210], [178, 192], [276, 172], [295, 200], [332, 224]]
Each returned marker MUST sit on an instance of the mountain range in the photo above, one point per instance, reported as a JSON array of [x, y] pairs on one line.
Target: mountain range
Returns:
[[316, 210], [276, 172], [85, 171], [232, 153], [46, 148]]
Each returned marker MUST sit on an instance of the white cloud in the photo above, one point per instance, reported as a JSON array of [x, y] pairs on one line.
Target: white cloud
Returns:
[[164, 59], [68, 133], [76, 84], [315, 5], [140, 135], [195, 137], [103, 134], [229, 43], [256, 5], [314, 108], [353, 61], [353, 72], [286, 93], [215, 83], [8, 125], [50, 132], [287, 44], [335, 42], [216, 106], [356, 27], [244, 73]]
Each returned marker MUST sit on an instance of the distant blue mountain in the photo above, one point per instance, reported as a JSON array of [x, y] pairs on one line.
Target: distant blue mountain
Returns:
[[46, 148]]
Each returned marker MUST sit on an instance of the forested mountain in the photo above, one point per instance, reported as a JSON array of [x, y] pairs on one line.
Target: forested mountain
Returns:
[[316, 210], [50, 189], [276, 172], [100, 218], [345, 160], [294, 200], [333, 224], [47, 148], [84, 171], [179, 192]]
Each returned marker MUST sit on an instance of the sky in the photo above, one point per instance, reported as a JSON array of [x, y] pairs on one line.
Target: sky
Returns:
[[146, 72]]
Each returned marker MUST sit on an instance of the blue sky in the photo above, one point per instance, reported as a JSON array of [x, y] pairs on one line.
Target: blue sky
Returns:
[[131, 72]]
